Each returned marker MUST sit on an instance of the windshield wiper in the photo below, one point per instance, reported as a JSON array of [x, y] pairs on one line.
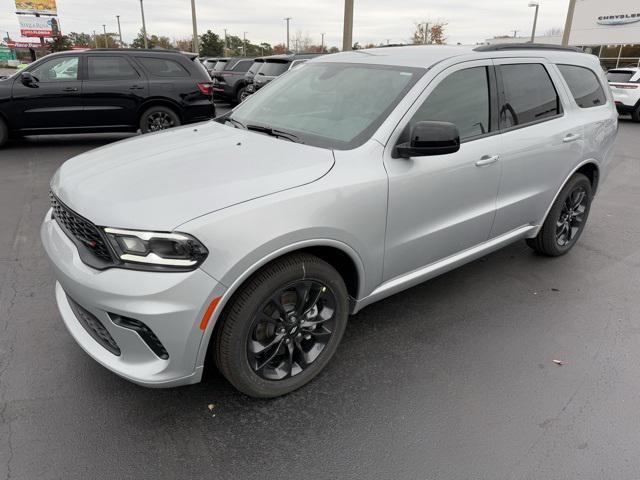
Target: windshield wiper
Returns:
[[275, 132], [235, 122]]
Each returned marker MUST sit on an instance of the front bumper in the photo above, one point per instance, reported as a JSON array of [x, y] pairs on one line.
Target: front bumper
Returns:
[[170, 304]]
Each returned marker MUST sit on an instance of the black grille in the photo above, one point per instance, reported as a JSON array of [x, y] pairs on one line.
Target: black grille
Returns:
[[80, 230], [94, 327]]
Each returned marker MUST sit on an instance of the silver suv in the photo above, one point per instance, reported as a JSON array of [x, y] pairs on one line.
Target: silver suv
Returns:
[[351, 178]]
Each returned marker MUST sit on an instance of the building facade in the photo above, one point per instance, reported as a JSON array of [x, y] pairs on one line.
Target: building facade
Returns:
[[609, 29]]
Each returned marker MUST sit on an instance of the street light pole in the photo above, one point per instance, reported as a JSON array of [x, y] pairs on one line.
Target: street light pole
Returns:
[[244, 44], [288, 19], [144, 25], [196, 48], [426, 33], [106, 43], [535, 21], [120, 31], [322, 43], [347, 34], [95, 38], [569, 22]]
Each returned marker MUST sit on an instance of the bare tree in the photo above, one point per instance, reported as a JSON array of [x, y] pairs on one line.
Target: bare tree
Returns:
[[555, 31], [435, 32]]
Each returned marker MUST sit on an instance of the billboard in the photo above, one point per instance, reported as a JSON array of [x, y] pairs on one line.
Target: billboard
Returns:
[[38, 26], [596, 22], [42, 7]]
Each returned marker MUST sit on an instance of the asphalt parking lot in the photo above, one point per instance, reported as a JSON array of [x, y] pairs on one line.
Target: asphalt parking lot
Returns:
[[453, 379]]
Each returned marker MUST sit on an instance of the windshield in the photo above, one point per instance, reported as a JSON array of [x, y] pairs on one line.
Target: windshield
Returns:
[[220, 65], [273, 69], [330, 105], [255, 67]]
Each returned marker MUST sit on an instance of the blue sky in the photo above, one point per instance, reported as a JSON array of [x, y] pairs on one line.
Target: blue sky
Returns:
[[375, 20]]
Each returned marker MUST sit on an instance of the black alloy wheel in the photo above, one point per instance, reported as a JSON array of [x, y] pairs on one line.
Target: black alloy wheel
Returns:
[[291, 329], [157, 119], [572, 216]]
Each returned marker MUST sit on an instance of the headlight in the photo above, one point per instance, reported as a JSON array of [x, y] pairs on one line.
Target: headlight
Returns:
[[165, 251]]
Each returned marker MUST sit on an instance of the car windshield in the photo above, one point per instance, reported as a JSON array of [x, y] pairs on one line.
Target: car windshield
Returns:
[[273, 69], [220, 65], [329, 105], [620, 76]]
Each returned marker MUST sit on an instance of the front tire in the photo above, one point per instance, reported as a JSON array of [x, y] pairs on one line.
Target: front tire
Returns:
[[158, 118], [635, 115], [242, 95], [282, 327], [566, 220], [4, 132]]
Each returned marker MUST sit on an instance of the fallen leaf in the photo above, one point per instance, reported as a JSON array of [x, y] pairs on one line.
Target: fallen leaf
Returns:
[[559, 362]]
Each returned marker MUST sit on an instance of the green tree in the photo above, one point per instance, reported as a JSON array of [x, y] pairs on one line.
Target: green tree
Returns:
[[80, 39], [211, 45], [100, 40], [60, 44]]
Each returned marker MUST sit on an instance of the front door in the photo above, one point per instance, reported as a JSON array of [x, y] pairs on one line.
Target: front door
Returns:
[[113, 91], [53, 100], [443, 204]]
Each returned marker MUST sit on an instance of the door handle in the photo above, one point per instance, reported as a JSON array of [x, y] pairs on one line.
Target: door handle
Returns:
[[487, 160], [70, 89], [136, 87], [572, 137]]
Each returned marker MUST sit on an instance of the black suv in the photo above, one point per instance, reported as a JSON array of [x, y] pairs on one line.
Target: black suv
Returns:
[[228, 78], [105, 91], [272, 67]]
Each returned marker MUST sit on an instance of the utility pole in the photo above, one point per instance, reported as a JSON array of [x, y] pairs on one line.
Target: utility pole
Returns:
[[106, 43], [347, 34], [426, 33], [120, 31], [515, 33], [196, 47], [144, 25], [95, 38], [569, 22], [322, 43], [244, 44], [535, 21], [288, 19], [226, 45]]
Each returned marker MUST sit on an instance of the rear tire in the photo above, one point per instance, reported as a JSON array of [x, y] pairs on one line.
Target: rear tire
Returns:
[[158, 118], [241, 95], [566, 220], [4, 132], [635, 115], [282, 327]]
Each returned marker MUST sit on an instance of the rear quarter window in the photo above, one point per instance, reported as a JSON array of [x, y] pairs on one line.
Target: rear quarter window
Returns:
[[163, 67], [584, 85]]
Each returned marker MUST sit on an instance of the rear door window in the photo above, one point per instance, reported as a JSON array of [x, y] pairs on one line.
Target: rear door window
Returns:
[[163, 67], [273, 69], [529, 95], [584, 86], [243, 66], [110, 68]]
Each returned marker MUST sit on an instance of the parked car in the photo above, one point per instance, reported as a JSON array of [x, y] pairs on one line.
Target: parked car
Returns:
[[344, 182], [248, 78], [274, 66], [105, 91], [209, 63], [228, 78], [625, 85]]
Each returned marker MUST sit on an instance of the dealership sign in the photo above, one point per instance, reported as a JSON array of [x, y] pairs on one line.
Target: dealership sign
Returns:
[[39, 26], [24, 45], [41, 7], [619, 19]]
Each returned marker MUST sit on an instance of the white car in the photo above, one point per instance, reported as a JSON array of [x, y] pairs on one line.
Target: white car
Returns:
[[625, 85]]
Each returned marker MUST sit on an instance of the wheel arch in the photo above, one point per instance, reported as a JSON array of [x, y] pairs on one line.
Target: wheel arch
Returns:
[[338, 254], [590, 169]]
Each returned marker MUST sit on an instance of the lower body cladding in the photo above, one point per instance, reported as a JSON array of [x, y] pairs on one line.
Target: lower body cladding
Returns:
[[143, 326]]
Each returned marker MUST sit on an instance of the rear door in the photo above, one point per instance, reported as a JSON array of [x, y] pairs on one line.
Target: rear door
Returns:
[[542, 136], [54, 100], [113, 90]]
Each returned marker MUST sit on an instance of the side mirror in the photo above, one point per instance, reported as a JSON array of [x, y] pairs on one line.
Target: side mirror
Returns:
[[28, 80], [431, 138]]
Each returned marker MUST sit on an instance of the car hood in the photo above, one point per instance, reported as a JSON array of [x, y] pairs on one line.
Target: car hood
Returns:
[[160, 181]]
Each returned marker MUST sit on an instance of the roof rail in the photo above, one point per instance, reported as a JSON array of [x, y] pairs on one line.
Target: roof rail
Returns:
[[525, 46]]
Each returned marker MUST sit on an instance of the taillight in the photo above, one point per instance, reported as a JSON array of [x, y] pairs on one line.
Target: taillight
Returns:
[[206, 88]]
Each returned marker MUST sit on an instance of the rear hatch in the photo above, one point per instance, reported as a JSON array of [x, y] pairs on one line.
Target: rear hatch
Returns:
[[625, 85]]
